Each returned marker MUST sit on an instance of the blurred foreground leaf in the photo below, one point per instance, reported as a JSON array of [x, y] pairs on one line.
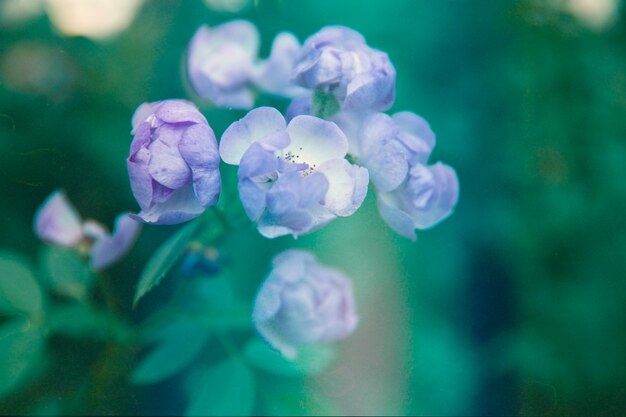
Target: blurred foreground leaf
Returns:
[[226, 389], [66, 272], [81, 321], [311, 360], [20, 353], [164, 259], [19, 291], [180, 345]]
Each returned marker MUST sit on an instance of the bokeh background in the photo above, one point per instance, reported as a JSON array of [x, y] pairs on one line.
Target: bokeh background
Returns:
[[513, 306]]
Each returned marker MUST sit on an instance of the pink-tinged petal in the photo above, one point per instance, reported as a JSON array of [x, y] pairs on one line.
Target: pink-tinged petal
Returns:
[[182, 206], [347, 186], [57, 221], [397, 219], [108, 249], [256, 125], [315, 141], [166, 164]]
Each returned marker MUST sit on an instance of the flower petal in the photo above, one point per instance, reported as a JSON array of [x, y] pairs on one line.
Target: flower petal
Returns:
[[256, 125], [182, 206], [141, 115], [178, 111], [347, 186], [315, 141], [384, 157], [397, 219], [108, 249], [57, 221], [416, 135], [166, 163], [198, 148], [446, 194]]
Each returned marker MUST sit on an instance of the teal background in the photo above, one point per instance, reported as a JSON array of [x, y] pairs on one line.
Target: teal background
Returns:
[[514, 305]]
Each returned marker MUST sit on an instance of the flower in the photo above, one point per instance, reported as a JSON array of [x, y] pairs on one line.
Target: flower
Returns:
[[337, 61], [58, 222], [395, 150], [220, 63], [174, 163], [293, 179], [303, 302]]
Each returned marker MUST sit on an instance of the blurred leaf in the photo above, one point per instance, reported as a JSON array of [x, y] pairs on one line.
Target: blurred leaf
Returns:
[[81, 321], [20, 353], [19, 291], [164, 259], [66, 272], [225, 389], [311, 360], [181, 344]]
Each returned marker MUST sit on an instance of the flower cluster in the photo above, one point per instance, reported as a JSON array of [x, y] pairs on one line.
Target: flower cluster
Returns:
[[59, 223], [295, 173]]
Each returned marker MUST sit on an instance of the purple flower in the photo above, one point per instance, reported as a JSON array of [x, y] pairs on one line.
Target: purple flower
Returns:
[[337, 61], [58, 222], [395, 150], [220, 63], [303, 302], [293, 179], [174, 163]]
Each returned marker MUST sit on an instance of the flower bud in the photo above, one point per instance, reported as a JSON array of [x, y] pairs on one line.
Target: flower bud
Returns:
[[174, 162], [302, 302]]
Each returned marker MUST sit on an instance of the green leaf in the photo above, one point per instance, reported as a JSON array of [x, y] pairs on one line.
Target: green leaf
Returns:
[[311, 359], [66, 272], [164, 259], [81, 321], [324, 105], [19, 290], [179, 347], [226, 389], [20, 354]]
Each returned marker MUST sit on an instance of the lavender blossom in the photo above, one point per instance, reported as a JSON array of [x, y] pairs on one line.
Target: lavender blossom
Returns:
[[293, 179], [395, 150], [336, 61], [58, 222], [174, 162], [302, 302], [220, 63]]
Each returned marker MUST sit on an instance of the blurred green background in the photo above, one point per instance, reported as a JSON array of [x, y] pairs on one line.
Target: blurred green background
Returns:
[[515, 305]]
